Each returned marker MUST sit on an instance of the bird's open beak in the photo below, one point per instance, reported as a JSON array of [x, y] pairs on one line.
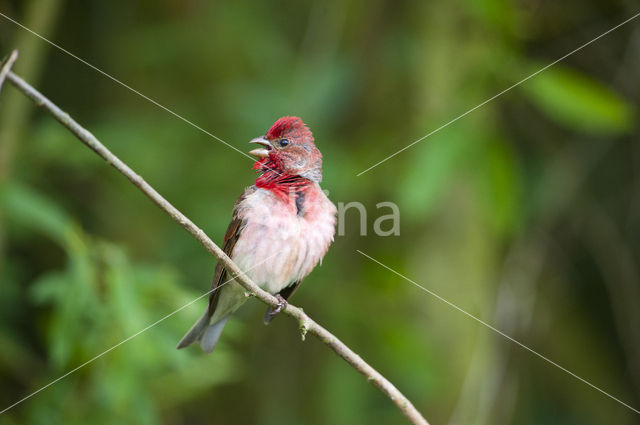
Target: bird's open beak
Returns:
[[261, 152]]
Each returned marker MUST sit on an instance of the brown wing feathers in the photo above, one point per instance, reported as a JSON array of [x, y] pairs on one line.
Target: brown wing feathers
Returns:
[[230, 238]]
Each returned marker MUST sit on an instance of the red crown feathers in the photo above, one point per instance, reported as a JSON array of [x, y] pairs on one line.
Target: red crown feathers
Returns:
[[283, 125]]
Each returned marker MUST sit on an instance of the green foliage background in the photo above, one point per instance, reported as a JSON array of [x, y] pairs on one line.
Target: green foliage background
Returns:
[[526, 212]]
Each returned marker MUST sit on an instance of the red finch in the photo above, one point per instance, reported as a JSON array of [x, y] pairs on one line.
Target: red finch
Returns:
[[281, 228]]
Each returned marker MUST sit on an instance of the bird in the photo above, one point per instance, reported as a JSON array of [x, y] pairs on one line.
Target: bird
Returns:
[[281, 228]]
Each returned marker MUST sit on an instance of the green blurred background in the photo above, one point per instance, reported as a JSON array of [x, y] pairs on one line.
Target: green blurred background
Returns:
[[525, 213]]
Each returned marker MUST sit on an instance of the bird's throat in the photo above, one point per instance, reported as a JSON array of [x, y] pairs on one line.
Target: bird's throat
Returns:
[[287, 186]]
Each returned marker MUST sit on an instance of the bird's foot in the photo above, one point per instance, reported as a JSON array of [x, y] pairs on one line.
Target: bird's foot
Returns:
[[282, 304], [273, 311]]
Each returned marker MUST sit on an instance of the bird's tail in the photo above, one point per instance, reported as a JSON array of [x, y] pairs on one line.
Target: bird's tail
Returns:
[[206, 333]]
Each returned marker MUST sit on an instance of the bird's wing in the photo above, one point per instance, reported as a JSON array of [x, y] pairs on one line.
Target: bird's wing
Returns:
[[285, 293], [230, 238], [289, 290]]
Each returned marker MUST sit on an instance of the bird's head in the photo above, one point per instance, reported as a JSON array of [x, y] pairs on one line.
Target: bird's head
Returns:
[[288, 148]]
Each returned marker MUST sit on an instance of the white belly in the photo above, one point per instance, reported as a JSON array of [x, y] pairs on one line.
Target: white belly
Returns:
[[278, 247]]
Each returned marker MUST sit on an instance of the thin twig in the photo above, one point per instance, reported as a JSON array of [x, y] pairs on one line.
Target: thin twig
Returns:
[[307, 325], [6, 66]]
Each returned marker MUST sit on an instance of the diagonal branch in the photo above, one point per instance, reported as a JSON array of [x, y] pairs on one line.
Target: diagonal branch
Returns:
[[307, 325]]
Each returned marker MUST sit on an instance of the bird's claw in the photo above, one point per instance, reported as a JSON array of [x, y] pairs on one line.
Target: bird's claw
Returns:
[[273, 311], [282, 304]]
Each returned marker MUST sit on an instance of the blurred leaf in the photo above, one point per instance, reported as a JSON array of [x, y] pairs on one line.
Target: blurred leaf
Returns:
[[33, 210], [49, 288], [578, 101]]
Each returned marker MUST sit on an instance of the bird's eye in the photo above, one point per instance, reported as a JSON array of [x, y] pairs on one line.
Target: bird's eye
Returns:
[[284, 142]]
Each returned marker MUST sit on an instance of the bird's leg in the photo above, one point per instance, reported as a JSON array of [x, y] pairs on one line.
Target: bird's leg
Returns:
[[273, 311]]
